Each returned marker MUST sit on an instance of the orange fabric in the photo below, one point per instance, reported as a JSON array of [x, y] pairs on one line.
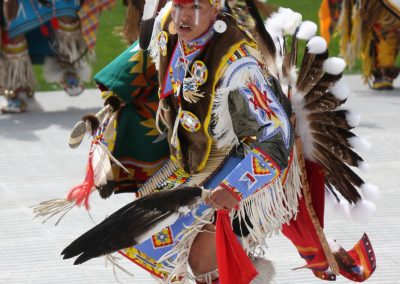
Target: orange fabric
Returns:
[[325, 20]]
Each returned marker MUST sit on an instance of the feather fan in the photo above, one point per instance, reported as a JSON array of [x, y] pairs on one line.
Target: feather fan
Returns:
[[133, 223]]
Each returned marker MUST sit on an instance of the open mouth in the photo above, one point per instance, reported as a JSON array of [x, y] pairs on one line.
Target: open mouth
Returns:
[[184, 28]]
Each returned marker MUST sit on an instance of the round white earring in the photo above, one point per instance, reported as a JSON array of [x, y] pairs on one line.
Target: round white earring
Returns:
[[220, 26]]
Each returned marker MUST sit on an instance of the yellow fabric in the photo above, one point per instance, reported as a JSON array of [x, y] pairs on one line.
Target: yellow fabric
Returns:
[[325, 20], [386, 49]]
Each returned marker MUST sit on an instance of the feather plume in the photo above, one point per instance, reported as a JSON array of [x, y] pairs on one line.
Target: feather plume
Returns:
[[133, 223]]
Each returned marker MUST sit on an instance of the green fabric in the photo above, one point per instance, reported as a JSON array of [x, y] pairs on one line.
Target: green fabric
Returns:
[[133, 78]]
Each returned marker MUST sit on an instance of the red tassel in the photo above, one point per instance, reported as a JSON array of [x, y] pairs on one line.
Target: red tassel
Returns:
[[54, 23], [80, 193], [234, 265], [45, 30]]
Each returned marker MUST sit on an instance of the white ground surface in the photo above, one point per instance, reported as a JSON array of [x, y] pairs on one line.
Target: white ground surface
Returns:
[[36, 165]]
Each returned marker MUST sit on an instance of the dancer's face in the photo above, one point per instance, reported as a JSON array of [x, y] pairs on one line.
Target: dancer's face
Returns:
[[184, 17]]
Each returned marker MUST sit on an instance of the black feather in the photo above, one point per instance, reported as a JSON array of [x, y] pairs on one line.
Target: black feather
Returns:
[[146, 30], [107, 189], [123, 228], [114, 102]]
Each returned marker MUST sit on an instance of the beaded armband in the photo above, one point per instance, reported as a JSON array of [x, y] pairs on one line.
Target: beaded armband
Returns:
[[256, 171]]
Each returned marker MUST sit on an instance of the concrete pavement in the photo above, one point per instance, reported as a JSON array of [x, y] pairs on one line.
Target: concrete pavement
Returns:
[[36, 164]]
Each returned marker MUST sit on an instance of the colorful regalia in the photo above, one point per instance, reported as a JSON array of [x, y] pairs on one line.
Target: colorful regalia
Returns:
[[57, 34], [238, 118], [369, 30]]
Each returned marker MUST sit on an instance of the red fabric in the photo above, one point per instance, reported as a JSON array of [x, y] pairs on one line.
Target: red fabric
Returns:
[[4, 38], [301, 230], [357, 264], [80, 193], [54, 23], [44, 30], [234, 265]]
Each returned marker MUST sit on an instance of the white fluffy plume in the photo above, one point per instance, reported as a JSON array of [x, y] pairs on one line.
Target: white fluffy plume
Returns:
[[317, 45], [334, 65], [370, 192], [360, 144], [340, 90], [307, 30], [363, 211]]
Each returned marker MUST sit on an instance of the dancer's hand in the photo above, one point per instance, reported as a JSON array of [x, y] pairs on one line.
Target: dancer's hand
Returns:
[[221, 198]]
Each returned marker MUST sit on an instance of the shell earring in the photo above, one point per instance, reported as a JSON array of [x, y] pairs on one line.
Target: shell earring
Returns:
[[172, 28], [220, 26]]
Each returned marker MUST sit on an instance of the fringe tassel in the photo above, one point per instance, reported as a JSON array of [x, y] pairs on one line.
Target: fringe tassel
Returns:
[[69, 44], [17, 68], [50, 208], [270, 208], [181, 251]]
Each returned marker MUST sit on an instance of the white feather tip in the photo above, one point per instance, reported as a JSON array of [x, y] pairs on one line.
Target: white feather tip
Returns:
[[307, 30], [363, 211], [353, 119], [370, 192], [334, 65], [363, 166], [359, 144], [341, 90]]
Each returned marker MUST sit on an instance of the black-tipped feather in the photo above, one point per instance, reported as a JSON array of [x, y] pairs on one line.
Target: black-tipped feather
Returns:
[[123, 228]]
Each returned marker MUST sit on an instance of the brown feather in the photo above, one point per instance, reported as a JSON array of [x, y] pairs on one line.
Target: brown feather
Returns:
[[326, 102], [321, 87], [335, 133], [339, 175], [311, 71], [339, 150], [337, 118]]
